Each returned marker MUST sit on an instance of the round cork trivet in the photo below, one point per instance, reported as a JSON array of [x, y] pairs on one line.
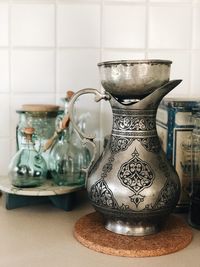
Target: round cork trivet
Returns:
[[175, 235]]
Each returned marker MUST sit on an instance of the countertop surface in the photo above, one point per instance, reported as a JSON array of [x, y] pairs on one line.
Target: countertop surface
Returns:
[[42, 236]]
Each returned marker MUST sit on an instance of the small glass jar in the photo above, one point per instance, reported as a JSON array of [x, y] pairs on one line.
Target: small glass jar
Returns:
[[43, 119], [27, 168], [194, 208]]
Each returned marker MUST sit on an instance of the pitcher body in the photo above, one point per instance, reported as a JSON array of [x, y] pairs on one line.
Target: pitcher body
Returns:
[[133, 185]]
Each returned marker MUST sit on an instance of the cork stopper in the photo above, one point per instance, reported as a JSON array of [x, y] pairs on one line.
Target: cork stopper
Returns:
[[28, 133], [69, 94]]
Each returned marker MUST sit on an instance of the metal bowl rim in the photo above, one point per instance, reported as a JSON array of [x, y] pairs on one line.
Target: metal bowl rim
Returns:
[[140, 61]]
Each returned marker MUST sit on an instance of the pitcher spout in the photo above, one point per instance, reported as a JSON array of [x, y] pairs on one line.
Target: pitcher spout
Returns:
[[149, 102], [152, 100]]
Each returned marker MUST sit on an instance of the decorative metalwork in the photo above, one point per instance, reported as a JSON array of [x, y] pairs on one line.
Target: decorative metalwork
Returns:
[[137, 175], [163, 166], [151, 144], [130, 112], [119, 143], [102, 195], [133, 123], [107, 167], [135, 134], [167, 196], [125, 207]]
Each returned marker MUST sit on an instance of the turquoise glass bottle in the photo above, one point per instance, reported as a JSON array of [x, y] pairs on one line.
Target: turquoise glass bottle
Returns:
[[27, 168], [68, 157]]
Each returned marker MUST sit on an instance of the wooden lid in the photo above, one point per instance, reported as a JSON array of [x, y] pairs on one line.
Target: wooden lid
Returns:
[[40, 107]]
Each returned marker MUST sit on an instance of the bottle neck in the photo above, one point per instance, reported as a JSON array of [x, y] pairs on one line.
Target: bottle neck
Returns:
[[27, 144]]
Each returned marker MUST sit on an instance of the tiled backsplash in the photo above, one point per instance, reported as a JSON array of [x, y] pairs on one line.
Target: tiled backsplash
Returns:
[[49, 46]]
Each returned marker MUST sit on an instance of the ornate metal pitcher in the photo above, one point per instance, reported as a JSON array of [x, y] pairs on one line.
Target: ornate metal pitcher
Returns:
[[132, 184]]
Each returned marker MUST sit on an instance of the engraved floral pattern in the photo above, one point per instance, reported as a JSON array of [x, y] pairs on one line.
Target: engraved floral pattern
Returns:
[[167, 195], [102, 195], [107, 167], [151, 144], [137, 175], [120, 143], [133, 123]]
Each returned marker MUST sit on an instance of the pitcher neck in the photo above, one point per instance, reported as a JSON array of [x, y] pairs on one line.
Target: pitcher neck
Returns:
[[134, 123]]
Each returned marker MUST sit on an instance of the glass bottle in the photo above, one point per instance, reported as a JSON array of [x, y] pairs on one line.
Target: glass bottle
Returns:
[[194, 208], [27, 168], [42, 118], [68, 159]]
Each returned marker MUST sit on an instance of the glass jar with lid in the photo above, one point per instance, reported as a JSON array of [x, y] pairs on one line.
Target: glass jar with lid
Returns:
[[42, 118]]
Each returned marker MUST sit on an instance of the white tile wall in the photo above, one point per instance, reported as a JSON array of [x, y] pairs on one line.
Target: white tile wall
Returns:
[[179, 69], [196, 23], [33, 71], [77, 68], [32, 25], [5, 115], [170, 27], [78, 25], [195, 77], [170, 1], [124, 26], [115, 54], [4, 70], [5, 156], [50, 46], [4, 24]]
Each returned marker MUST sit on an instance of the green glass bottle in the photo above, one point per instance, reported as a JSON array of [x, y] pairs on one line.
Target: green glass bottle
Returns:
[[27, 168], [68, 159]]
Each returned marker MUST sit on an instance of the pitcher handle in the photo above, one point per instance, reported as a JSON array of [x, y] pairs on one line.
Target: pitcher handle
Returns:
[[84, 136]]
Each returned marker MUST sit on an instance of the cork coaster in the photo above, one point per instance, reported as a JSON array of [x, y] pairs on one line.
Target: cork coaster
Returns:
[[175, 235]]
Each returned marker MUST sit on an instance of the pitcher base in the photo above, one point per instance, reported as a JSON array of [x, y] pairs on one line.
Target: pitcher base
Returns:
[[131, 228]]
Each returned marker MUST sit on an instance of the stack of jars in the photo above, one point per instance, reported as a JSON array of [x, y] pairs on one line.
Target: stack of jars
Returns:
[[48, 148]]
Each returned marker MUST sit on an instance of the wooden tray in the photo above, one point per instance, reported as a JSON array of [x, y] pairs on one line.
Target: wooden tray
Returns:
[[47, 189]]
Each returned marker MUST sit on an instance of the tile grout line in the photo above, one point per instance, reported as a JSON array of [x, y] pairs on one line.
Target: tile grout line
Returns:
[[101, 59], [35, 48], [147, 29], [55, 52], [10, 75], [191, 47]]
